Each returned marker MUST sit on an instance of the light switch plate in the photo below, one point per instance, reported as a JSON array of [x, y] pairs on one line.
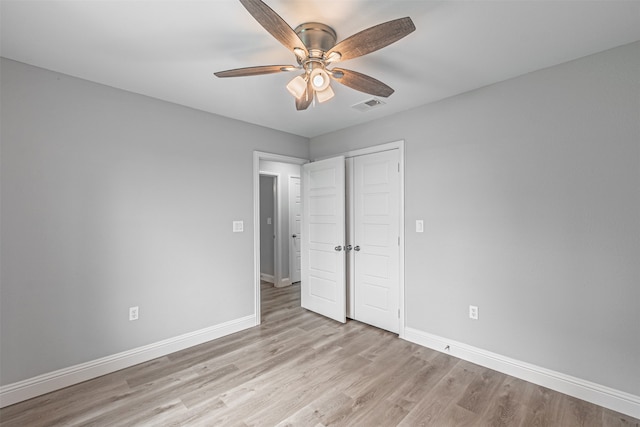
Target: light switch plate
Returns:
[[238, 226], [419, 226]]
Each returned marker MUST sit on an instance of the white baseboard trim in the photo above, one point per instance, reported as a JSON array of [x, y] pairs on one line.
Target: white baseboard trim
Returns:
[[32, 387], [283, 283], [267, 278], [607, 397]]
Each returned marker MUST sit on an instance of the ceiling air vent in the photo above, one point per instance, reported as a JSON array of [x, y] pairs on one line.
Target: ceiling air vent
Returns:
[[368, 105]]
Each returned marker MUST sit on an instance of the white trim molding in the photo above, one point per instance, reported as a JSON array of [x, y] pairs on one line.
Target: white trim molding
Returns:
[[284, 282], [267, 277], [45, 383], [607, 397]]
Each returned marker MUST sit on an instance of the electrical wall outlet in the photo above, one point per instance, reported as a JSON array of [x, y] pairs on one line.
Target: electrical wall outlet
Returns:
[[238, 226], [473, 312], [133, 313]]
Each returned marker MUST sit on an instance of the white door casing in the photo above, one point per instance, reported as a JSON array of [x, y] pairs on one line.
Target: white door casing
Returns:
[[323, 288], [376, 244], [295, 220], [257, 157]]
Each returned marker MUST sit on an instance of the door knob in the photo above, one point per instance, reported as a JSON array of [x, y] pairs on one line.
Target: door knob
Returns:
[[348, 248], [357, 248], [338, 248], [294, 236]]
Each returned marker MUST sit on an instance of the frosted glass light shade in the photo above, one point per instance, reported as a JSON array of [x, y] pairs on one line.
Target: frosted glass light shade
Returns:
[[297, 87], [319, 79], [299, 52], [335, 56], [325, 95]]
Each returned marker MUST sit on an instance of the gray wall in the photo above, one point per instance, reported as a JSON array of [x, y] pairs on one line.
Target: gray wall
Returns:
[[267, 212], [529, 190], [110, 200]]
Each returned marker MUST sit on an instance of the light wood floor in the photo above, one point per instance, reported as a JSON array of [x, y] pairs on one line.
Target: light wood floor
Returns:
[[298, 368]]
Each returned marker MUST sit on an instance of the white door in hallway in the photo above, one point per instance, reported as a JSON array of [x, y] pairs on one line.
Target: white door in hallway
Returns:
[[295, 220], [323, 287], [376, 244]]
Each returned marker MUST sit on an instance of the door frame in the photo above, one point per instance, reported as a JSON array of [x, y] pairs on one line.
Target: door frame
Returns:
[[257, 156], [399, 145]]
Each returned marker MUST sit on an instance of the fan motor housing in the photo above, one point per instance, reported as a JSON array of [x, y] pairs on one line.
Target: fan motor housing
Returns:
[[317, 37]]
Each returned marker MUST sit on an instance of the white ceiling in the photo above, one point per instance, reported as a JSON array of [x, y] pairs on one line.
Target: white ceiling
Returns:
[[170, 49]]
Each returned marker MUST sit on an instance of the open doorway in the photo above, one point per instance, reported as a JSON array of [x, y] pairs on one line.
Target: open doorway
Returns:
[[268, 197], [272, 225]]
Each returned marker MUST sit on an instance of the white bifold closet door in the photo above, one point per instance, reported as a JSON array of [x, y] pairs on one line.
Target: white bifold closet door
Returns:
[[323, 287], [372, 247], [375, 236]]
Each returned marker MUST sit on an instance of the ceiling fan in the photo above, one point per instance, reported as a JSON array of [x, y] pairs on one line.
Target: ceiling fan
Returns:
[[314, 46]]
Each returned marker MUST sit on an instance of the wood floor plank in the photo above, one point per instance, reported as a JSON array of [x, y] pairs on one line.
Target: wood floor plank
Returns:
[[319, 411], [507, 408], [481, 391], [308, 387], [448, 390], [369, 398], [615, 419], [195, 417], [542, 406], [215, 388], [580, 413], [45, 409], [455, 415], [300, 369], [305, 380], [410, 393], [160, 395]]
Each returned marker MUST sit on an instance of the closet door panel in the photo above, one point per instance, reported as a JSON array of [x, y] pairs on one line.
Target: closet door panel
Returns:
[[376, 205], [323, 286]]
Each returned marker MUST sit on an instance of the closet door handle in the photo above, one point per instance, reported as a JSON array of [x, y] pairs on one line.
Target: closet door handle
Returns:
[[357, 248], [338, 248], [348, 248]]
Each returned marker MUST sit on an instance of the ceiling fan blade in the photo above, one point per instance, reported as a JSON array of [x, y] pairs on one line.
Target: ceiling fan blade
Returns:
[[255, 71], [274, 24], [305, 100], [361, 82], [373, 38]]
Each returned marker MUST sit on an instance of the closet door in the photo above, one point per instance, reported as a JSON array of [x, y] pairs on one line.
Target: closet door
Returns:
[[376, 189], [323, 287]]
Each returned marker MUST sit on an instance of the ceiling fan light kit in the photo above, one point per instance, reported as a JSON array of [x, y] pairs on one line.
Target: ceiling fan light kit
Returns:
[[319, 79], [325, 95], [297, 87], [314, 46]]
